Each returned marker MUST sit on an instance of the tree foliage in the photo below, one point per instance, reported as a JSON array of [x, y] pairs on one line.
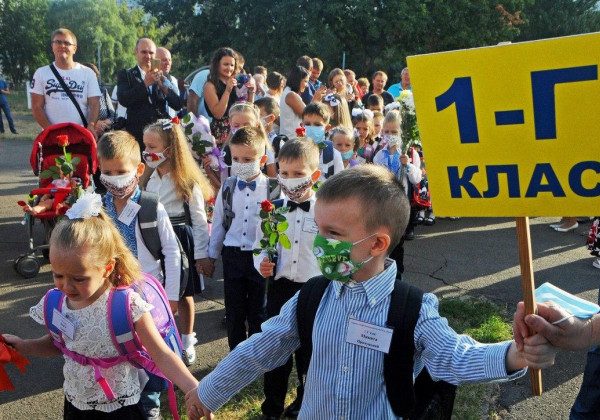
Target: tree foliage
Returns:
[[24, 37]]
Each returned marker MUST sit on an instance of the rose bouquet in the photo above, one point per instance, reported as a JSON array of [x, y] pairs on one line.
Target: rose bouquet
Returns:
[[409, 127]]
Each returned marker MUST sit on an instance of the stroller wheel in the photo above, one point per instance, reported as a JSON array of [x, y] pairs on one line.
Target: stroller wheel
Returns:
[[27, 266]]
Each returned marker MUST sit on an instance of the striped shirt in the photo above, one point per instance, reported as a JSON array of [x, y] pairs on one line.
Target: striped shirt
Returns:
[[345, 381]]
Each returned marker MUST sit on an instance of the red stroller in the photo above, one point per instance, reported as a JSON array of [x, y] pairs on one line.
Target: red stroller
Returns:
[[81, 145]]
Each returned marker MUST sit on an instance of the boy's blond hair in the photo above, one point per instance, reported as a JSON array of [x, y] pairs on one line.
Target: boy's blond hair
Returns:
[[183, 170], [299, 149], [254, 137], [382, 197], [119, 145], [98, 239]]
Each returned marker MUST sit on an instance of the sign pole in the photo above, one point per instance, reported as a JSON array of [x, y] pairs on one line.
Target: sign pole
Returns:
[[528, 286]]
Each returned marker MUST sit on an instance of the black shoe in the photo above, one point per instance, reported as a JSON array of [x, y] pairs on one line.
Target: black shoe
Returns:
[[409, 236], [14, 131], [292, 411]]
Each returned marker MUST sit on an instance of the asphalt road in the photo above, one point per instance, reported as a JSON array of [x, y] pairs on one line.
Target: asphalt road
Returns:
[[466, 256]]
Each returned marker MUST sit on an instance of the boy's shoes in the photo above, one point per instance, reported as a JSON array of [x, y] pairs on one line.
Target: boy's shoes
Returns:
[[292, 410], [420, 217], [429, 220], [596, 263], [14, 131]]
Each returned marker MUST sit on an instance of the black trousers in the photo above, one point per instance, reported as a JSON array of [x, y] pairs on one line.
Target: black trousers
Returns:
[[244, 295], [129, 412], [276, 381]]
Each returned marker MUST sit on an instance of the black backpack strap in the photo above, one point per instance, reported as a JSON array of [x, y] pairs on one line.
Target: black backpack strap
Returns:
[[273, 189], [69, 94], [309, 300], [227, 199], [148, 223], [405, 306]]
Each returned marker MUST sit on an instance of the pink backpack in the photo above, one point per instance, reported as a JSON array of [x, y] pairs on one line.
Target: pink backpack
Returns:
[[122, 331]]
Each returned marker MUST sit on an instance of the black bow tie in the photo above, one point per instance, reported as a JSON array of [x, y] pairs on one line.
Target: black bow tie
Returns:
[[304, 206]]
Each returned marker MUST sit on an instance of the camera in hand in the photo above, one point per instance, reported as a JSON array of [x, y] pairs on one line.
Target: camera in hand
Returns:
[[242, 79]]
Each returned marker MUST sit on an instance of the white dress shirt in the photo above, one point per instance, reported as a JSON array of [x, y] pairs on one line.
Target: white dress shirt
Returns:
[[412, 174], [246, 207], [298, 263], [164, 187]]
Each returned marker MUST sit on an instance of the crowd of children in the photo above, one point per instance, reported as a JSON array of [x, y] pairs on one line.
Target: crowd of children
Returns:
[[153, 219]]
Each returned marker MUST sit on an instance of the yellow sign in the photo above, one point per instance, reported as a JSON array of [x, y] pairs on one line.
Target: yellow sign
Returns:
[[512, 130]]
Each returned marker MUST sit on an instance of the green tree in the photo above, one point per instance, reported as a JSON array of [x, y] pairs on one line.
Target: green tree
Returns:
[[24, 37]]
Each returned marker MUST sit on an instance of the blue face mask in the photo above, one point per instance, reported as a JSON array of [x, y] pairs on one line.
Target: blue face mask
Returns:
[[347, 155], [576, 306], [315, 132]]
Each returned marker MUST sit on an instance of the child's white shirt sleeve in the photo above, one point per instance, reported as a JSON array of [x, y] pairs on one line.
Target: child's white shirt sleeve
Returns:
[[199, 224], [338, 162], [170, 250], [37, 312], [217, 234]]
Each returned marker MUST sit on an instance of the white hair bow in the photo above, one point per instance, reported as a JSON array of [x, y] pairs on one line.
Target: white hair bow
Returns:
[[331, 100], [359, 111], [87, 205], [391, 106]]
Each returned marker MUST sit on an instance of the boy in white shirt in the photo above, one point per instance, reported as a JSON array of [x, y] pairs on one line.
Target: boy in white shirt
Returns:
[[235, 217], [298, 172]]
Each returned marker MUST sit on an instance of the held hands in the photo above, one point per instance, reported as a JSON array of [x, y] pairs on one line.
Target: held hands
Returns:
[[194, 407], [568, 333], [266, 268], [205, 266]]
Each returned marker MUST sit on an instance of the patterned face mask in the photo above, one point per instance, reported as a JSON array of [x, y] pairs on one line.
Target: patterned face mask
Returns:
[[333, 257], [246, 170], [295, 188], [120, 185]]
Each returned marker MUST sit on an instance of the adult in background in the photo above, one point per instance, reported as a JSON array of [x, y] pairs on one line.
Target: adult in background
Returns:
[[4, 106], [140, 90], [195, 100], [275, 85], [291, 104], [404, 84], [220, 90], [260, 77], [378, 82], [170, 85], [65, 91], [313, 80], [106, 113]]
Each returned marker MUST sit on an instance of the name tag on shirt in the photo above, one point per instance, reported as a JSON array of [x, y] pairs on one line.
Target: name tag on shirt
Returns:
[[309, 225], [368, 335], [129, 212], [63, 324]]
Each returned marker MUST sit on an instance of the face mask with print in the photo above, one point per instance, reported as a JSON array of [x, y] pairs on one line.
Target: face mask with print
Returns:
[[393, 140], [120, 185], [315, 132], [153, 160], [295, 188], [246, 170], [333, 257]]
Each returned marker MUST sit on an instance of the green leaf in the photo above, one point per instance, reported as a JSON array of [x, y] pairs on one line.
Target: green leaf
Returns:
[[280, 218], [273, 238], [46, 173], [285, 241], [67, 157], [263, 214], [59, 161], [256, 251], [66, 168], [264, 226], [264, 243], [186, 119], [282, 227]]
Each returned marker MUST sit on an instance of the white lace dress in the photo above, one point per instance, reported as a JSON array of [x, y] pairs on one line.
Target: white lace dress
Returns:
[[92, 339]]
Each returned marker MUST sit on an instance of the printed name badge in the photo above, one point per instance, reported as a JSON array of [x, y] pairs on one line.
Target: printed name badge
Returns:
[[129, 212], [309, 225], [368, 335], [63, 324]]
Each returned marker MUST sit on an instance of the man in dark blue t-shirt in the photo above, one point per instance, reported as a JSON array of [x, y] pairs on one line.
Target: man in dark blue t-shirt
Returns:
[[5, 107]]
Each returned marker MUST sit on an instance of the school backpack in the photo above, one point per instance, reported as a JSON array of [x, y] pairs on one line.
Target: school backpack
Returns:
[[423, 399], [277, 142], [273, 193], [122, 332], [148, 223], [328, 158]]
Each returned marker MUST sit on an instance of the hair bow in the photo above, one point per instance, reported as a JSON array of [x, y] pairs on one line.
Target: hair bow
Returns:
[[166, 124], [359, 111], [88, 205], [331, 100], [392, 106]]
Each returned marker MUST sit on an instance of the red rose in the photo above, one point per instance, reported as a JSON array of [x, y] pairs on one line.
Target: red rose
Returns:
[[267, 206], [175, 120], [21, 203], [300, 132], [63, 140]]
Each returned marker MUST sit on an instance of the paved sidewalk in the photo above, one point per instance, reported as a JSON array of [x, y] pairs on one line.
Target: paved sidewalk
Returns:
[[466, 256]]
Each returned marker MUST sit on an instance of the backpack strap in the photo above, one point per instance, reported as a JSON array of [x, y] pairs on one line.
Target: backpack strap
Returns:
[[308, 302], [68, 92], [148, 223], [405, 306], [328, 154], [120, 321], [227, 197], [273, 189]]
